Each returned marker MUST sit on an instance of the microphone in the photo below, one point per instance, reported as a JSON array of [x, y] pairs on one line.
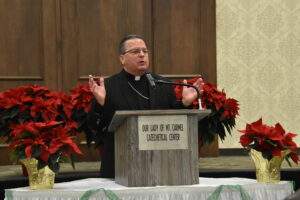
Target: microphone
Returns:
[[181, 84], [150, 79]]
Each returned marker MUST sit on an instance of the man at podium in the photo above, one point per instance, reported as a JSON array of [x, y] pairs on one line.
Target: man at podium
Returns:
[[130, 89]]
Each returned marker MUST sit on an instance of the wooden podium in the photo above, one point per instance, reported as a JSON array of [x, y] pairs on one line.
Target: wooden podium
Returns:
[[156, 147]]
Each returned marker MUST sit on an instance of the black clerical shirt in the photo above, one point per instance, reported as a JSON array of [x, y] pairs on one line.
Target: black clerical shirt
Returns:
[[139, 86]]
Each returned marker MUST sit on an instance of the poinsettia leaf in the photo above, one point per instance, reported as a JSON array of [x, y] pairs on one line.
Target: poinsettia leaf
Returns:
[[41, 164], [20, 152], [54, 166], [56, 157], [89, 134], [206, 130], [279, 129], [74, 147], [44, 154], [267, 155], [36, 151], [231, 122], [276, 152], [72, 159], [245, 141], [10, 113], [26, 134], [4, 131], [294, 157], [286, 158], [53, 162], [24, 116], [55, 145], [221, 131], [207, 138], [272, 143], [28, 151], [228, 128]]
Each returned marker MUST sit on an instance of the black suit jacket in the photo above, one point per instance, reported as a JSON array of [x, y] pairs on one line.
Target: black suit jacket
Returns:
[[120, 96]]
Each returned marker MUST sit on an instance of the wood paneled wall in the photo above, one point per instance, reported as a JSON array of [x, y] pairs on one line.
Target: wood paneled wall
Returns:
[[28, 43], [59, 42]]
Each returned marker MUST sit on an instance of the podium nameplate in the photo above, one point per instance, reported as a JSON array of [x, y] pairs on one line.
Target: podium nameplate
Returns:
[[162, 132]]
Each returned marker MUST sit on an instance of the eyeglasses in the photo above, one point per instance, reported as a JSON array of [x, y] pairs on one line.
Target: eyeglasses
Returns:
[[137, 51]]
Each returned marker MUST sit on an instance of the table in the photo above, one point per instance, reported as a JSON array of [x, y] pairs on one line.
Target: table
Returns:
[[228, 188]]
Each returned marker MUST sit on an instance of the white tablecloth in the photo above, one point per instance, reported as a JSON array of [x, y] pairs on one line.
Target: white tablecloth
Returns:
[[75, 189]]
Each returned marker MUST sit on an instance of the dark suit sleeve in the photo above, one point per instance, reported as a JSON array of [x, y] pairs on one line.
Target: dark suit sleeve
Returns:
[[175, 104], [100, 116], [95, 116]]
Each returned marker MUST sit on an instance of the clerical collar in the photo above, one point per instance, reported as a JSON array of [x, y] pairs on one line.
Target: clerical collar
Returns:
[[132, 77]]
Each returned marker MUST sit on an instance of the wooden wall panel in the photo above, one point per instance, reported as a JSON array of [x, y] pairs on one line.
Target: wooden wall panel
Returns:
[[91, 31], [184, 38], [20, 50], [176, 36], [52, 52], [28, 43], [207, 44]]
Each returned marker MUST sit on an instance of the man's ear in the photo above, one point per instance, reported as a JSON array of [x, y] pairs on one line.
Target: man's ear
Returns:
[[122, 59]]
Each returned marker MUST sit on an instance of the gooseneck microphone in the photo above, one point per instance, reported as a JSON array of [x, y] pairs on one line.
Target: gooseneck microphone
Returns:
[[150, 79], [153, 81]]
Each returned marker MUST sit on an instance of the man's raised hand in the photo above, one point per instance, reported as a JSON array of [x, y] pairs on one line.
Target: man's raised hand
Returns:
[[97, 87]]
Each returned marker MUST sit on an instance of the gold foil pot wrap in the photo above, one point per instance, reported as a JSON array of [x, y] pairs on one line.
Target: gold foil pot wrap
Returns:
[[38, 179], [267, 171]]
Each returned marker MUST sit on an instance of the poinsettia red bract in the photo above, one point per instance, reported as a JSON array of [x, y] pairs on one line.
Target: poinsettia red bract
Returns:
[[223, 111], [33, 119], [270, 140]]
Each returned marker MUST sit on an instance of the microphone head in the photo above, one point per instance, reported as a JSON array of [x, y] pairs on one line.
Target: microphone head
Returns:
[[150, 79]]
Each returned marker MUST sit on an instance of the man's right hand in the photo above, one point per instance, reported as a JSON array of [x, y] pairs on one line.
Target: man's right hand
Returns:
[[98, 90]]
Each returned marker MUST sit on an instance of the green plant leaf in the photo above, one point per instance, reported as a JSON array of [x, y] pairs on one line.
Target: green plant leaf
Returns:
[[36, 151], [41, 164], [286, 158]]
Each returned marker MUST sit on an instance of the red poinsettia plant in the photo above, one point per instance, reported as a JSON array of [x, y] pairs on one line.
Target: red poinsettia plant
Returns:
[[81, 98], [37, 123], [269, 140], [223, 111]]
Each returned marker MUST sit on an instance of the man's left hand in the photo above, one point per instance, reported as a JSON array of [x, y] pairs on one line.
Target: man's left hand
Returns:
[[189, 94]]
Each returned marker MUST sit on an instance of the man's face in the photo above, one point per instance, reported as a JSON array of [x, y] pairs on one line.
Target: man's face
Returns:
[[135, 58]]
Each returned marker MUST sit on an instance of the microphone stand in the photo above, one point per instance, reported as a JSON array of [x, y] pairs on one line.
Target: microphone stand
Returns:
[[182, 84]]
